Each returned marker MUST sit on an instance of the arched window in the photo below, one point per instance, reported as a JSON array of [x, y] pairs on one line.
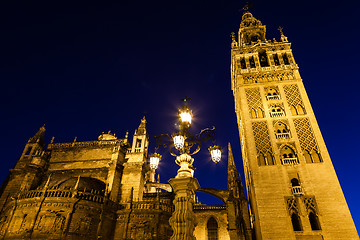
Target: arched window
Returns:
[[243, 63], [271, 92], [286, 59], [28, 151], [307, 157], [270, 159], [293, 110], [263, 58], [300, 110], [276, 111], [281, 130], [295, 182], [314, 221], [212, 228], [276, 59], [261, 159], [295, 220], [315, 157], [252, 62], [253, 113], [288, 155], [260, 113]]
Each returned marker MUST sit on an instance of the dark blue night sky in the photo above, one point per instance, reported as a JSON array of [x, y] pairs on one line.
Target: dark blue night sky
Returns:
[[84, 68]]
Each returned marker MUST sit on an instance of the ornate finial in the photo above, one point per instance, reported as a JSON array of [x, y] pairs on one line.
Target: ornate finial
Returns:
[[52, 140], [233, 36], [247, 6], [126, 134], [75, 139], [282, 36], [185, 99], [281, 30]]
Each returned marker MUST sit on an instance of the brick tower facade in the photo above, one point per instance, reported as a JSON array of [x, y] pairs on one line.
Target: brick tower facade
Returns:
[[292, 186]]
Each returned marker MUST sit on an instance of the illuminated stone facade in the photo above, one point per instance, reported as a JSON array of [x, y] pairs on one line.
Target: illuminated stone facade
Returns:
[[104, 189], [292, 186]]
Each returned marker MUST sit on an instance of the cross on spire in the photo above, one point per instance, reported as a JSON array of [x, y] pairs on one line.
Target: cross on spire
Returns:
[[247, 6], [185, 99]]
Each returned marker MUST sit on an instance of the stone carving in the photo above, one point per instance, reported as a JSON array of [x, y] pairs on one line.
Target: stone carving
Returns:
[[294, 99], [262, 138], [292, 205], [255, 104], [305, 134], [310, 204], [262, 77]]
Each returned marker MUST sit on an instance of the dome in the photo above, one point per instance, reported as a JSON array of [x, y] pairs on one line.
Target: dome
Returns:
[[107, 136], [247, 15], [248, 20]]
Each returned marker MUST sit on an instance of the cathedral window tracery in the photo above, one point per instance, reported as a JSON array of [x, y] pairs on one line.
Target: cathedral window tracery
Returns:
[[276, 111], [281, 130], [288, 156], [272, 93]]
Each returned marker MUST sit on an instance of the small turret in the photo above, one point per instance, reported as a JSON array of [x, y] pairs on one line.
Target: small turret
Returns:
[[141, 138]]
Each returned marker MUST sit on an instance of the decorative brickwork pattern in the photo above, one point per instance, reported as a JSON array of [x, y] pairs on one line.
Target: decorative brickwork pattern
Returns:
[[293, 96], [253, 98], [262, 138], [267, 77], [255, 104], [305, 134]]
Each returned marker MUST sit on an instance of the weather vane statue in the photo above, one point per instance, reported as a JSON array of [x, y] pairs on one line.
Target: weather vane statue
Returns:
[[247, 6]]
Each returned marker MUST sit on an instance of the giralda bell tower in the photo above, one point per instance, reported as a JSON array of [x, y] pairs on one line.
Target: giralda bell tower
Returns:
[[292, 186]]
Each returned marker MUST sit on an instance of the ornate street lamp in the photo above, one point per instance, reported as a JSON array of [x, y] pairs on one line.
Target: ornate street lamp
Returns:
[[182, 145], [154, 160], [215, 152]]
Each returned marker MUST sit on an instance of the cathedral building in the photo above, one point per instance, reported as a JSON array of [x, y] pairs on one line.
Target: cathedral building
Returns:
[[106, 189]]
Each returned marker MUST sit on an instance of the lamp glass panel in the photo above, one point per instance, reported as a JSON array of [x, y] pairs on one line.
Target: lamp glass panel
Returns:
[[185, 117], [179, 141], [215, 155], [154, 162]]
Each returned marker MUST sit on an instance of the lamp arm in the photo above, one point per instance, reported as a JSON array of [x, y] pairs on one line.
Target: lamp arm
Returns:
[[166, 141], [206, 134]]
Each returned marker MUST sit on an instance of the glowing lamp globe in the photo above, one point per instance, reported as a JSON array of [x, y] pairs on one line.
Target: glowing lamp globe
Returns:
[[215, 152], [154, 160], [179, 141], [185, 115]]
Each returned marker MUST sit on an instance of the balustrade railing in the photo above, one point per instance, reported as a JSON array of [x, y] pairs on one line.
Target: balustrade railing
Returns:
[[282, 135], [289, 161], [277, 114], [93, 196], [272, 97], [297, 190]]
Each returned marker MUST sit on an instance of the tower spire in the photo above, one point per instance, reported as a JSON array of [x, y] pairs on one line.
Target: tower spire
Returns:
[[39, 136], [232, 171]]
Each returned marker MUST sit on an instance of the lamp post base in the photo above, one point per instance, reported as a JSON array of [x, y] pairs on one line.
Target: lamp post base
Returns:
[[183, 220]]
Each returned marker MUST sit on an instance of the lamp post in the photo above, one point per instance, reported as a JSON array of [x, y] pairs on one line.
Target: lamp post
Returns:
[[184, 185]]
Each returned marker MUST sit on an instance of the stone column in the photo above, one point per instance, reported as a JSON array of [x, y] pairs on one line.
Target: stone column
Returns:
[[183, 220]]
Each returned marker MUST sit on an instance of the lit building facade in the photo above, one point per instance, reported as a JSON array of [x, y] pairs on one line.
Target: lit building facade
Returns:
[[292, 186], [106, 188]]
